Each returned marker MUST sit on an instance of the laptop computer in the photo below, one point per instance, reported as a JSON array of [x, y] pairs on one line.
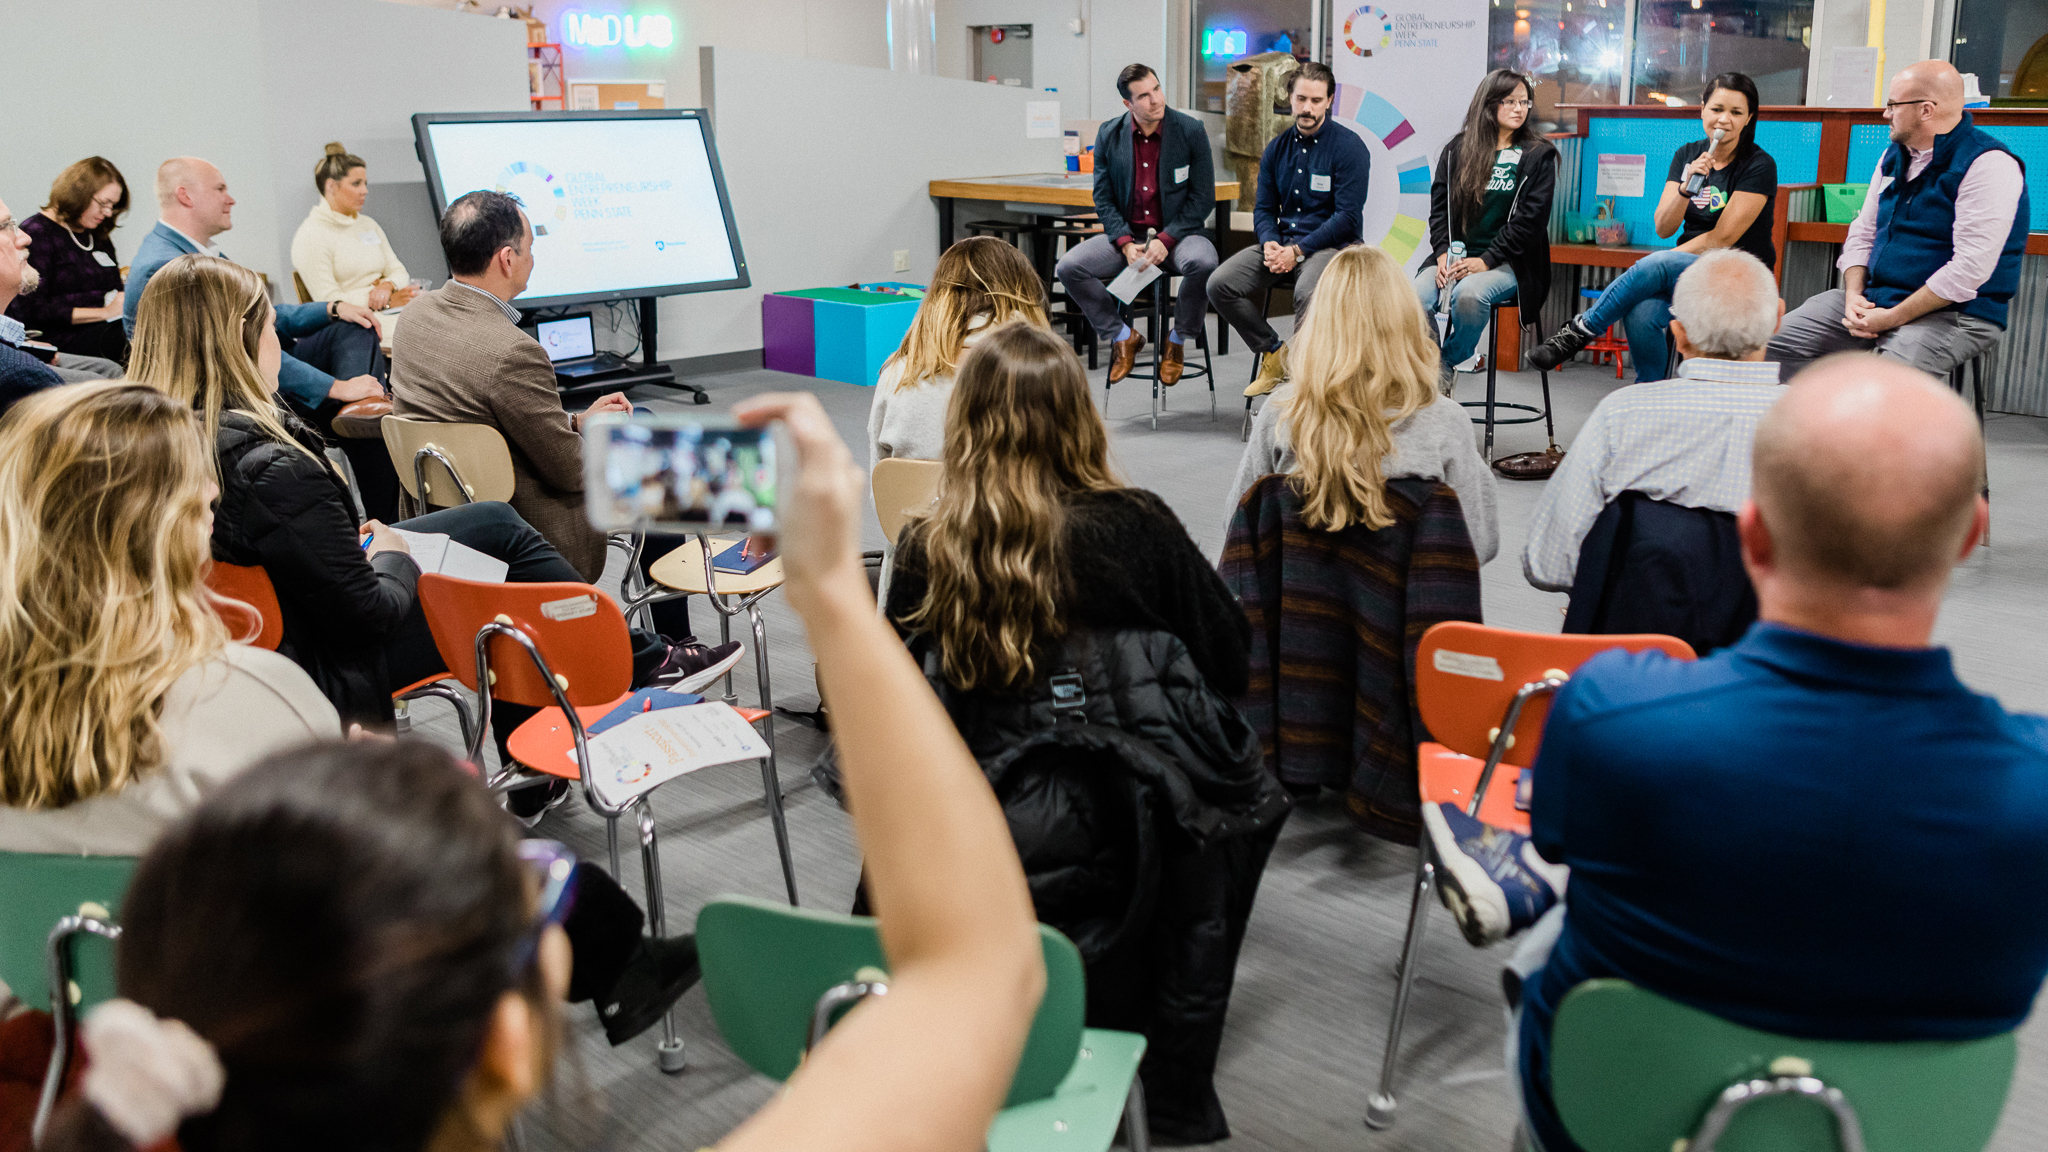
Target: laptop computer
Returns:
[[571, 344]]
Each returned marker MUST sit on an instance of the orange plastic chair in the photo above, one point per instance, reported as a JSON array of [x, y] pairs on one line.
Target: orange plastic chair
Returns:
[[562, 648], [1484, 693], [249, 593]]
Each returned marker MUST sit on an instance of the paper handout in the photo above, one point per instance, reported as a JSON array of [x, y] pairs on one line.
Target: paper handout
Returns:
[[438, 552], [1132, 280], [658, 746]]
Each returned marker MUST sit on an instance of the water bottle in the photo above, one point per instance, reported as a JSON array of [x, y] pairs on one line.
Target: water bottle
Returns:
[[1443, 296]]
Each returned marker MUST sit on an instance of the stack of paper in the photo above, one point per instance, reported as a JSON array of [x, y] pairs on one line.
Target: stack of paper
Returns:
[[438, 552]]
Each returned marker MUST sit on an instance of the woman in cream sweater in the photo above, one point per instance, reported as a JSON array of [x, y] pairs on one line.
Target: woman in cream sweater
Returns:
[[339, 253]]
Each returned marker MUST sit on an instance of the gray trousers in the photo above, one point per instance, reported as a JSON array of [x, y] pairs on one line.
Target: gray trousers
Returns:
[[75, 369], [1088, 267], [1934, 343], [1244, 276]]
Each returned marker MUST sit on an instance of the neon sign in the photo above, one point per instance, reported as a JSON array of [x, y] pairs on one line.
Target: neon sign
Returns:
[[610, 30], [1224, 42]]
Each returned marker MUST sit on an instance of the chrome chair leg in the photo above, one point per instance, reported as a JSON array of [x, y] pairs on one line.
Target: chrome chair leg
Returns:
[[1381, 1105], [611, 836], [1137, 1129], [771, 780], [669, 1052]]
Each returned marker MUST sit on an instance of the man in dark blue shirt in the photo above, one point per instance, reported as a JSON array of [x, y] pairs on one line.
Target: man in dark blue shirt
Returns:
[[1312, 183], [1819, 831], [20, 373]]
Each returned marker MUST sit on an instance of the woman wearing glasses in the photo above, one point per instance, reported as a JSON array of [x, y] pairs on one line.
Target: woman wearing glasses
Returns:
[[1491, 194], [78, 306], [1729, 209]]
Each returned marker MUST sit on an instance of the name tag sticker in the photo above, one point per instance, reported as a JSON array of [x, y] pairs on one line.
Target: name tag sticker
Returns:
[[577, 607], [367, 237], [1318, 183], [1466, 664], [1180, 174], [105, 261], [1510, 156]]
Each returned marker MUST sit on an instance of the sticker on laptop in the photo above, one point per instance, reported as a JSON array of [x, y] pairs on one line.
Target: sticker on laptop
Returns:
[[1466, 664], [577, 607]]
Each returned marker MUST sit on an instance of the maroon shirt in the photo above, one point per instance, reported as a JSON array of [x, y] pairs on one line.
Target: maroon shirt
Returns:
[[1145, 211]]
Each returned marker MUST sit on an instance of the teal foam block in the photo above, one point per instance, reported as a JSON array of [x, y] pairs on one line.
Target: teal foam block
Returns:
[[852, 339]]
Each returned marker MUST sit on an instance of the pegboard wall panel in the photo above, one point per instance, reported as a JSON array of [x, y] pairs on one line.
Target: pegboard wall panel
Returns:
[[1794, 144], [1867, 143]]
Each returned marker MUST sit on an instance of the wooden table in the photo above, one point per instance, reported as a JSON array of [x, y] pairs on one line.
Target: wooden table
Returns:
[[1070, 189]]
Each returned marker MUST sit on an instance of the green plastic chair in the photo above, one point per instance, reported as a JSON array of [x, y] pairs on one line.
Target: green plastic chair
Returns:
[[1633, 1072], [52, 901], [777, 977]]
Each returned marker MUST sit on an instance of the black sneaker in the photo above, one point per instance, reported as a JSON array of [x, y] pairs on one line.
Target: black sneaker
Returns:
[[691, 666], [656, 976], [1569, 342], [528, 805]]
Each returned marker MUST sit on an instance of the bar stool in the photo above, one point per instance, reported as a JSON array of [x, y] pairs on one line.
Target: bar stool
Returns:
[[1607, 343], [1955, 381], [1148, 369], [1554, 453], [1060, 235]]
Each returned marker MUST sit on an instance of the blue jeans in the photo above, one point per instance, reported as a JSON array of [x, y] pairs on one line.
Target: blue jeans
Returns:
[[1640, 301], [1472, 301]]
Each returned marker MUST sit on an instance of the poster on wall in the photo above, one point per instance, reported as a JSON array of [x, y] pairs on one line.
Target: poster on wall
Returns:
[[1405, 73]]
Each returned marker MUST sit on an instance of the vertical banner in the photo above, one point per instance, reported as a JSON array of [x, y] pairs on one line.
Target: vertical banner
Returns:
[[1405, 74]]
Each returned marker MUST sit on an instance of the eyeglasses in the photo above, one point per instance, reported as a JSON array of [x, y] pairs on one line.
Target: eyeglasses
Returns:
[[106, 205], [1518, 103], [10, 228], [1891, 104], [553, 866]]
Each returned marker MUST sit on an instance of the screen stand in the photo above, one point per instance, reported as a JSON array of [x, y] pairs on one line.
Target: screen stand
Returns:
[[648, 371]]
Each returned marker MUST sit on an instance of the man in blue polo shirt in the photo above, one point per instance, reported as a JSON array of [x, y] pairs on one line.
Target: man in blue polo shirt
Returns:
[[1818, 831], [1312, 184]]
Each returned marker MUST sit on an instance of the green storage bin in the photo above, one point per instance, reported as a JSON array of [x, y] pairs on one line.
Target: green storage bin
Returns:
[[1843, 201]]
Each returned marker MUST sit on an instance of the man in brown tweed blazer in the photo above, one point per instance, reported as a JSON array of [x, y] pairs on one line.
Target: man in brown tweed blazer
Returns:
[[460, 356]]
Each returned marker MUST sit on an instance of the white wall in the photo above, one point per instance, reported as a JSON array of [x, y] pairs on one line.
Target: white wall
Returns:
[[234, 81], [1083, 68], [834, 210]]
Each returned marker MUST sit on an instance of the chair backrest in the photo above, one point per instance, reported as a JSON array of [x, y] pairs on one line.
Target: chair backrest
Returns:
[[43, 888], [580, 633], [478, 452], [766, 965], [902, 487], [1630, 1070], [299, 286], [255, 596], [1466, 675]]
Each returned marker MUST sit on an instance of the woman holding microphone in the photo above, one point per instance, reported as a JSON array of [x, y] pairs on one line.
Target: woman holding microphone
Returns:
[[1718, 195]]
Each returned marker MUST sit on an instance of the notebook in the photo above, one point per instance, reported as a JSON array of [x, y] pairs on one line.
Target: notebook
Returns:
[[729, 560], [438, 553]]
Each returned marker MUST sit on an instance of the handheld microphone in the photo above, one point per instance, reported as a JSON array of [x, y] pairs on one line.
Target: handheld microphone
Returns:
[[1699, 179]]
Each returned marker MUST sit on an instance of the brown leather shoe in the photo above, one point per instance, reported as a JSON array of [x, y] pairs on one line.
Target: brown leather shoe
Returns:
[[1170, 363], [1124, 353]]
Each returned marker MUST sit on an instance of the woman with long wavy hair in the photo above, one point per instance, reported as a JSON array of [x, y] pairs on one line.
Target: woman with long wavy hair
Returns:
[[980, 284], [1033, 534], [1362, 408], [125, 699]]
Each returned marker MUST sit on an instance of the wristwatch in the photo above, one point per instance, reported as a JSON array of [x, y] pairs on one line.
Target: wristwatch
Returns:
[[331, 306]]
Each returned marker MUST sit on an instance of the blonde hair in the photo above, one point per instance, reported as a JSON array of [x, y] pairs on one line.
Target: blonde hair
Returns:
[[103, 604], [979, 276], [1362, 363], [335, 163], [197, 331], [1022, 436]]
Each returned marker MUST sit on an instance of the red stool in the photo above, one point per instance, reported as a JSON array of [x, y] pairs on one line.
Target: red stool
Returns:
[[1607, 343]]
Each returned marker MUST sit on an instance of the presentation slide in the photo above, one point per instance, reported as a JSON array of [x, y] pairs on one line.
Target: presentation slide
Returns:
[[616, 205]]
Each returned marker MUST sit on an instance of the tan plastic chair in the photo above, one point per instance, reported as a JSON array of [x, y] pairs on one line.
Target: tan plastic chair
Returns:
[[900, 487], [443, 465], [299, 283]]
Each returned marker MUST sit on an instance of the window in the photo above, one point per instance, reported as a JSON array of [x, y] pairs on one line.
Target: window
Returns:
[[1227, 31], [1575, 50], [1682, 44], [2004, 43]]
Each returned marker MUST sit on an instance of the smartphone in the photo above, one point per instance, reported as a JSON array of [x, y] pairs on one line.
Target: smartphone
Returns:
[[687, 473]]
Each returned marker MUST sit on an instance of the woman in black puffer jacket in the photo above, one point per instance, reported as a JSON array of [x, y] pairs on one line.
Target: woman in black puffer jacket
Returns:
[[346, 588]]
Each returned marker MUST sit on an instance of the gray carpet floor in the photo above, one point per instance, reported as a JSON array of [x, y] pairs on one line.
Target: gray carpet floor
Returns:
[[1315, 984]]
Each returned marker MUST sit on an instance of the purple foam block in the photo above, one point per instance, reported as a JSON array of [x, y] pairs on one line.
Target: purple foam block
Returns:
[[788, 336]]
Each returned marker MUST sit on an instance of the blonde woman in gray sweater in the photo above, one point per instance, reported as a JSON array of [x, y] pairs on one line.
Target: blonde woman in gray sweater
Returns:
[[1362, 407]]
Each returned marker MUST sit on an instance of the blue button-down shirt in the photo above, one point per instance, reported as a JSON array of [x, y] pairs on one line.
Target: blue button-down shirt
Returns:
[[1312, 188]]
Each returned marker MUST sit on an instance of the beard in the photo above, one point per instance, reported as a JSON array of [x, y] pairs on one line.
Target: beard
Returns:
[[1310, 122], [30, 279]]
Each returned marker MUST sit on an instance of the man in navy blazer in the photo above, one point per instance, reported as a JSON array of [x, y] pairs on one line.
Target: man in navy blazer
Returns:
[[1154, 188], [330, 348]]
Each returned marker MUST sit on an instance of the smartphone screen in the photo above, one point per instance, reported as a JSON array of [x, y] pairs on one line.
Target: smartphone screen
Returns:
[[670, 471]]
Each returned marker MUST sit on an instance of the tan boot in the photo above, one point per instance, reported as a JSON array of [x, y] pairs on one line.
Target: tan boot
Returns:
[[1170, 363], [1123, 354], [1272, 370]]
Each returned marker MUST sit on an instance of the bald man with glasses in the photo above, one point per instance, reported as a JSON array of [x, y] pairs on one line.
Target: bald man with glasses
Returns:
[[1933, 259]]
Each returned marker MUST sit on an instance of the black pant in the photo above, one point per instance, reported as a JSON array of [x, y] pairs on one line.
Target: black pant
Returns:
[[671, 617], [604, 927], [105, 339], [495, 530], [344, 351]]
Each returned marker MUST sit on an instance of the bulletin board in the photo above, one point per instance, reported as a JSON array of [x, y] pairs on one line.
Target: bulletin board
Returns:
[[1794, 144], [1867, 143]]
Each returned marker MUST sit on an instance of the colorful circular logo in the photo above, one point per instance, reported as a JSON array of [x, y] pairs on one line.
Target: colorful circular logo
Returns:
[[1366, 29], [533, 185]]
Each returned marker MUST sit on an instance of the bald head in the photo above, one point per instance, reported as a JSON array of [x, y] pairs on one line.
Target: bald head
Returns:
[[187, 172], [1926, 100], [192, 196], [1935, 80], [1866, 476]]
